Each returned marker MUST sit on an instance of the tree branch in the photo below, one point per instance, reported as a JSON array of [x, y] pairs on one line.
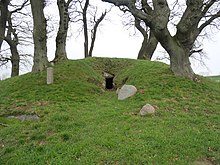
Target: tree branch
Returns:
[[209, 21], [21, 7], [119, 2], [195, 51], [139, 27]]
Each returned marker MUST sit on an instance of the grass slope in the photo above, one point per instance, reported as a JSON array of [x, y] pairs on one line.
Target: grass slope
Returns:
[[83, 124], [215, 78]]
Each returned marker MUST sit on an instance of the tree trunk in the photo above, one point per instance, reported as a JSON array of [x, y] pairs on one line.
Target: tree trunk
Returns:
[[13, 42], [85, 28], [148, 47], [3, 19], [92, 43], [60, 53], [15, 59], [180, 64], [179, 58], [39, 35]]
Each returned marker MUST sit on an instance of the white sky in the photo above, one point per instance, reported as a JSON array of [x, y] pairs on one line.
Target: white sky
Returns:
[[114, 40]]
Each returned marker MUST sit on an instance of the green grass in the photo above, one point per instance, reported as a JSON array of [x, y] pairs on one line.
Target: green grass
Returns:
[[215, 78], [83, 124]]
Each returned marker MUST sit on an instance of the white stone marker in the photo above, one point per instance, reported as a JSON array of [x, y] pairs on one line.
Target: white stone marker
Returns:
[[50, 75]]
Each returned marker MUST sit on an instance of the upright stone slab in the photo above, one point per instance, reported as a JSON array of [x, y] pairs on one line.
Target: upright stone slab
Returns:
[[50, 75], [126, 91]]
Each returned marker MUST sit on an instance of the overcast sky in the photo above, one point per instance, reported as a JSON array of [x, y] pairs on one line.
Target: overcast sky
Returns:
[[114, 40]]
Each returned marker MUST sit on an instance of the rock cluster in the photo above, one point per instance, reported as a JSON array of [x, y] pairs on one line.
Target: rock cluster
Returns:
[[130, 90]]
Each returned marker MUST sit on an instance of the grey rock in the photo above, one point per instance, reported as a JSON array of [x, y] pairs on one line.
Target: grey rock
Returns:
[[108, 75], [147, 109], [126, 91], [25, 117]]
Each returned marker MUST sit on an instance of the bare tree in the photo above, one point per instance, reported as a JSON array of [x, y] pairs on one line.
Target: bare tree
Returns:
[[88, 15], [15, 35], [13, 40], [39, 35], [94, 30], [197, 15], [88, 51]]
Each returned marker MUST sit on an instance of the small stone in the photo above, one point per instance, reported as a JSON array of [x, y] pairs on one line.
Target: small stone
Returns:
[[126, 91], [147, 109]]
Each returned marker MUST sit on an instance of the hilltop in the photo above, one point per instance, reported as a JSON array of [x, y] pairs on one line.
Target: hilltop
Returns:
[[82, 123]]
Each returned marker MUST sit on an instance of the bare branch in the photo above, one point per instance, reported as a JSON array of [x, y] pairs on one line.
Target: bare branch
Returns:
[[25, 3], [209, 21], [139, 27]]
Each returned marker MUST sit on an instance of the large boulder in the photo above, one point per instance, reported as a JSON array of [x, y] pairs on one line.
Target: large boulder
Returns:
[[147, 109], [126, 91]]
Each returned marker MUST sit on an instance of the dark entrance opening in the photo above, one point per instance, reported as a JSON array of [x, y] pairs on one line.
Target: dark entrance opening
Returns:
[[109, 83]]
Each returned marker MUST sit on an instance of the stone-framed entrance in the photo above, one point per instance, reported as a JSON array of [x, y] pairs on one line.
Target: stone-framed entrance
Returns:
[[109, 80]]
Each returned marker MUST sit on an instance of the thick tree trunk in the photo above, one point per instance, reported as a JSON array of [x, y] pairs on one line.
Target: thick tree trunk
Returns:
[[143, 52], [3, 19], [179, 58], [180, 63], [39, 35], [60, 53], [148, 47]]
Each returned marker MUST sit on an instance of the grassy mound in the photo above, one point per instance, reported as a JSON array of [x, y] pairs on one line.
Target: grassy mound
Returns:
[[81, 123]]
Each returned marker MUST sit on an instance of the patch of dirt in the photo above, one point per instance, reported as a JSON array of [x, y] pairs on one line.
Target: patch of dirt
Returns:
[[41, 143], [29, 105], [203, 162], [133, 113]]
